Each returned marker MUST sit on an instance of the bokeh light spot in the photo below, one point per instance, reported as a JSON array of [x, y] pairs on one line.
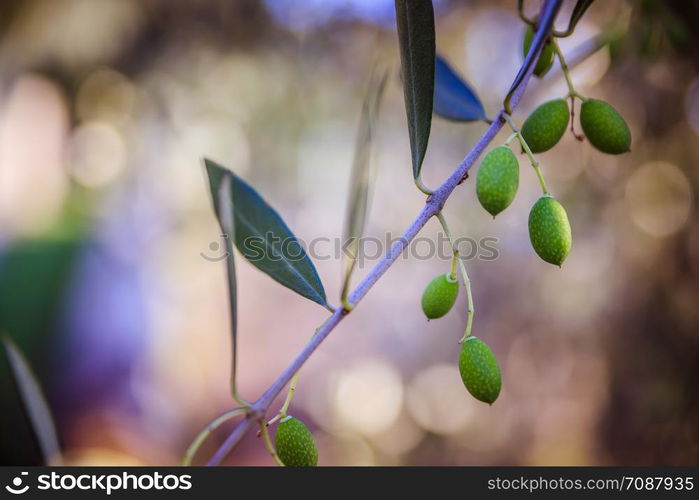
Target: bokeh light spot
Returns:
[[658, 198], [97, 154], [438, 401], [369, 397]]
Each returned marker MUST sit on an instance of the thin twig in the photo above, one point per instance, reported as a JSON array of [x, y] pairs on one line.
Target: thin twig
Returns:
[[577, 136], [464, 276], [522, 15], [206, 432], [268, 444], [566, 70], [535, 163]]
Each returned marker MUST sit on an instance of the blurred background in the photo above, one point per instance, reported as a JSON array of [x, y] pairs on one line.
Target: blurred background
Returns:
[[106, 109]]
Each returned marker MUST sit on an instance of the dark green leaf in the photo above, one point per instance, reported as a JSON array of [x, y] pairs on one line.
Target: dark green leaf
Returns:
[[358, 201], [453, 98], [415, 21], [34, 403], [261, 235], [578, 11]]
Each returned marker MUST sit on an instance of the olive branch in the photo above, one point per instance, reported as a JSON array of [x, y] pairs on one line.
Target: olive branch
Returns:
[[254, 413], [430, 86]]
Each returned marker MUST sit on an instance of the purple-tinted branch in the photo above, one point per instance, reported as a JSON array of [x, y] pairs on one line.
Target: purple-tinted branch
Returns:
[[435, 203]]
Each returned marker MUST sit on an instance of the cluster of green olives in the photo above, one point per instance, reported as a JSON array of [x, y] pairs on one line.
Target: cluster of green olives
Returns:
[[498, 175], [549, 229], [479, 369], [603, 126]]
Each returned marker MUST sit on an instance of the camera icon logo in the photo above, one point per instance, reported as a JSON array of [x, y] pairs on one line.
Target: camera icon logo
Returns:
[[215, 246], [16, 487]]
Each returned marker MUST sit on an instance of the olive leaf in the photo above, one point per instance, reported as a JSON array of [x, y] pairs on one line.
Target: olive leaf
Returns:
[[578, 11], [358, 201], [261, 235], [34, 403], [416, 37], [453, 98]]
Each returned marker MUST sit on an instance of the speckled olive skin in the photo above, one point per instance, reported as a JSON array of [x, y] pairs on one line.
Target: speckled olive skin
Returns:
[[546, 125], [498, 180], [439, 296], [543, 65], [604, 127], [549, 230], [479, 370], [295, 444]]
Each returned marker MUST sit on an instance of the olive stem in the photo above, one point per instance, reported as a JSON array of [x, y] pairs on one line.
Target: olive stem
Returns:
[[421, 186], [535, 163], [454, 250], [522, 15], [454, 259], [572, 93], [577, 136], [471, 310], [268, 443], [206, 431], [464, 275], [566, 70], [290, 395], [278, 416]]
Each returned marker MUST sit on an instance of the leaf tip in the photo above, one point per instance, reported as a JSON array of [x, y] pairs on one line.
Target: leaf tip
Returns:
[[8, 344]]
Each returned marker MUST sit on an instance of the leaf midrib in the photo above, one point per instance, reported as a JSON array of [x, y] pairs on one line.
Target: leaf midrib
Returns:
[[254, 230], [416, 161]]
